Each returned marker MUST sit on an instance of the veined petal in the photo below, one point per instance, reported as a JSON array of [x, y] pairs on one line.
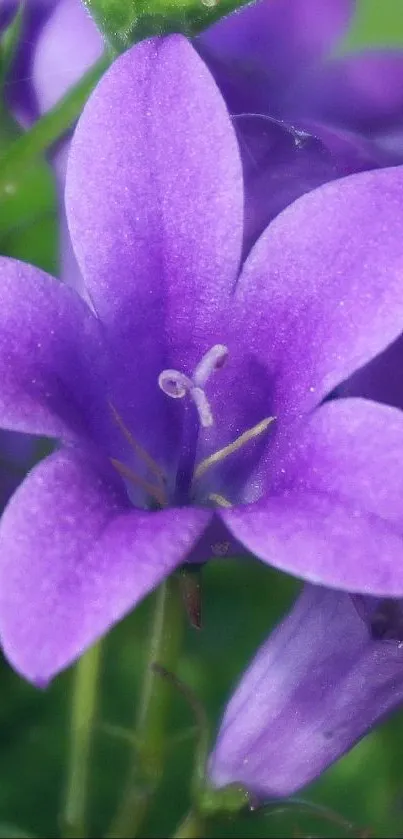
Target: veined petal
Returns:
[[158, 225], [75, 557], [51, 355], [316, 686], [334, 513], [321, 293]]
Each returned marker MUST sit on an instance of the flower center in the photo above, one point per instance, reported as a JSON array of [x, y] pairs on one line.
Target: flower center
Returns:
[[197, 417], [197, 414]]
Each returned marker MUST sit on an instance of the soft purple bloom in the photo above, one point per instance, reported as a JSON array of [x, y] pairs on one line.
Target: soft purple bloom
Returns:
[[179, 356], [329, 672]]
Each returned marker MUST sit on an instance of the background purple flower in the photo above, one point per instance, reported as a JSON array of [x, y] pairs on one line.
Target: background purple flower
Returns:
[[329, 672], [275, 59], [58, 43]]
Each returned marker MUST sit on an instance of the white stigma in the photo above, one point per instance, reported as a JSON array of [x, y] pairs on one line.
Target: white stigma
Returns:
[[176, 385], [211, 361]]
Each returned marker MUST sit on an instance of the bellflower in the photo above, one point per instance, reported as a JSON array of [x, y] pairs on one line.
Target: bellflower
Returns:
[[187, 397], [326, 675]]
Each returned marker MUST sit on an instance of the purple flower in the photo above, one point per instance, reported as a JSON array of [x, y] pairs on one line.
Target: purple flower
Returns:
[[276, 57], [326, 675], [187, 397], [304, 117]]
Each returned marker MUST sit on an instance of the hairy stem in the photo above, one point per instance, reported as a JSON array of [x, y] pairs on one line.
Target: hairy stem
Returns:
[[192, 827], [83, 711], [150, 727]]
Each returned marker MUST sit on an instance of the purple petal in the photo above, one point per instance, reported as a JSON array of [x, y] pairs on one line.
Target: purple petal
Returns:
[[324, 286], [76, 557], [68, 44], [334, 512], [156, 216], [51, 354], [362, 93], [315, 687], [255, 52], [69, 271], [156, 220]]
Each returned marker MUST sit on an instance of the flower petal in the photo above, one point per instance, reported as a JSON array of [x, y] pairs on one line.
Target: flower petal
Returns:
[[316, 686], [255, 52], [51, 354], [324, 284], [75, 557], [334, 512], [156, 215], [69, 271]]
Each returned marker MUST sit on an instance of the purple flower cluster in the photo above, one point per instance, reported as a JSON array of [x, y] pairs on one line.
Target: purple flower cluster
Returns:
[[186, 385]]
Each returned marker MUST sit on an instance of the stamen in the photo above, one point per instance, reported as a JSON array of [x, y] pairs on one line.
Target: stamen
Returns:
[[140, 452], [174, 384], [220, 500], [240, 441], [152, 490], [212, 360]]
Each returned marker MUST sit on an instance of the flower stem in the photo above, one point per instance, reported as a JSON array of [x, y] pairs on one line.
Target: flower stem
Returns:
[[83, 710], [150, 728], [50, 127], [192, 827]]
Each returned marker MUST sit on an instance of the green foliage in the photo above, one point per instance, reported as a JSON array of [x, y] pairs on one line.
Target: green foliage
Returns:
[[9, 43], [124, 22]]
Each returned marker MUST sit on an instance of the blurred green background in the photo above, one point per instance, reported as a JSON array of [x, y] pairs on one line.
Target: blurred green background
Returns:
[[242, 601]]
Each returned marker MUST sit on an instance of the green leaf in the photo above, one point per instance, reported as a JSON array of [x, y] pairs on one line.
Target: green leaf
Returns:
[[125, 22], [11, 831], [27, 205], [9, 43]]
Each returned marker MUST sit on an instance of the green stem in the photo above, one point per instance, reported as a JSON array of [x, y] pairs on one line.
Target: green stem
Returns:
[[192, 827], [150, 728], [83, 712], [50, 127]]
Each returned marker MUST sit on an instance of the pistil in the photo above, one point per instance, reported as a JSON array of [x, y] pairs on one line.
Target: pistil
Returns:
[[198, 413]]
